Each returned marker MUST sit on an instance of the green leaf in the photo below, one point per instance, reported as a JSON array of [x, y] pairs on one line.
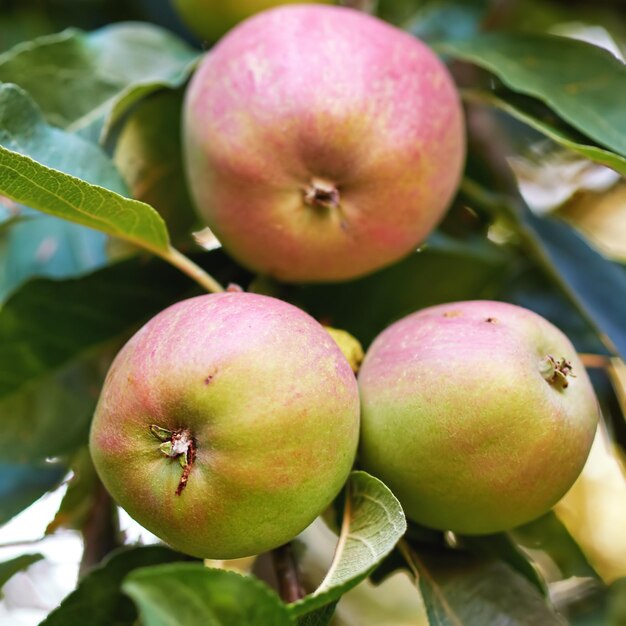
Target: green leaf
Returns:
[[20, 23], [56, 342], [447, 20], [594, 289], [24, 483], [82, 81], [549, 534], [373, 523], [562, 137], [28, 182], [37, 244], [12, 567], [532, 288], [148, 154], [562, 252], [589, 603], [24, 130], [366, 306], [584, 84], [192, 595], [318, 617], [51, 170], [98, 599], [502, 547], [460, 588]]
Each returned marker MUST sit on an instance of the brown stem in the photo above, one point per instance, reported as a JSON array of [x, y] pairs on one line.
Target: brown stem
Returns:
[[100, 532], [286, 568]]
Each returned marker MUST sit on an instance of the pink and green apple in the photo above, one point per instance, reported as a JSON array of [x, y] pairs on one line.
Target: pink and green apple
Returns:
[[321, 143], [478, 415], [227, 424]]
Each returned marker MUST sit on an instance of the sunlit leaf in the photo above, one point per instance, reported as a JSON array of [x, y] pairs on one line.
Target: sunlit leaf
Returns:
[[373, 522]]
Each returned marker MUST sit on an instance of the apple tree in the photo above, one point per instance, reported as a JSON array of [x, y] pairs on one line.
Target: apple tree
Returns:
[[326, 192]]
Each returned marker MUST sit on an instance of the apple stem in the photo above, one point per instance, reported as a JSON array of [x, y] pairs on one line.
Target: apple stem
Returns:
[[289, 586], [321, 193], [186, 265], [556, 371], [178, 444]]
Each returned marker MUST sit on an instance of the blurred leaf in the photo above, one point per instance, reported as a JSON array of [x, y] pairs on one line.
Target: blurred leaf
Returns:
[[28, 182], [148, 154], [605, 607], [584, 84], [44, 185], [22, 484], [548, 534], [593, 288], [461, 588], [98, 599], [56, 341], [397, 11], [21, 24], [532, 289], [82, 80], [447, 20], [373, 523], [192, 595], [560, 136], [39, 244], [503, 548], [42, 245], [563, 254], [617, 603], [24, 130], [79, 497], [444, 271], [12, 567]]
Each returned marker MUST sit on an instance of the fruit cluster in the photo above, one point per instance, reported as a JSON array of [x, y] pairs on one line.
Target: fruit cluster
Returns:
[[322, 144]]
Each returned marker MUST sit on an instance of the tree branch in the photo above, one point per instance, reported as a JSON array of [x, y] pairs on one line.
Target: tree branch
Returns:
[[100, 532], [289, 586]]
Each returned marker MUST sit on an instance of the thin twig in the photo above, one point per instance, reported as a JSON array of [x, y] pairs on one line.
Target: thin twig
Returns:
[[286, 568], [24, 542], [186, 265], [100, 532]]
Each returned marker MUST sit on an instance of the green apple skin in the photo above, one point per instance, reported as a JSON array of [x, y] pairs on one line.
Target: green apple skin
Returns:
[[272, 407], [210, 19], [460, 420], [327, 132]]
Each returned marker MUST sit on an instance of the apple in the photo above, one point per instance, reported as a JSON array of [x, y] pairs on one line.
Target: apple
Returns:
[[321, 143], [478, 415], [227, 424], [210, 19]]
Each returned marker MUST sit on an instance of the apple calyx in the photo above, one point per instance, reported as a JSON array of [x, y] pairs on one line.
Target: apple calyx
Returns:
[[556, 371], [177, 444], [321, 193]]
